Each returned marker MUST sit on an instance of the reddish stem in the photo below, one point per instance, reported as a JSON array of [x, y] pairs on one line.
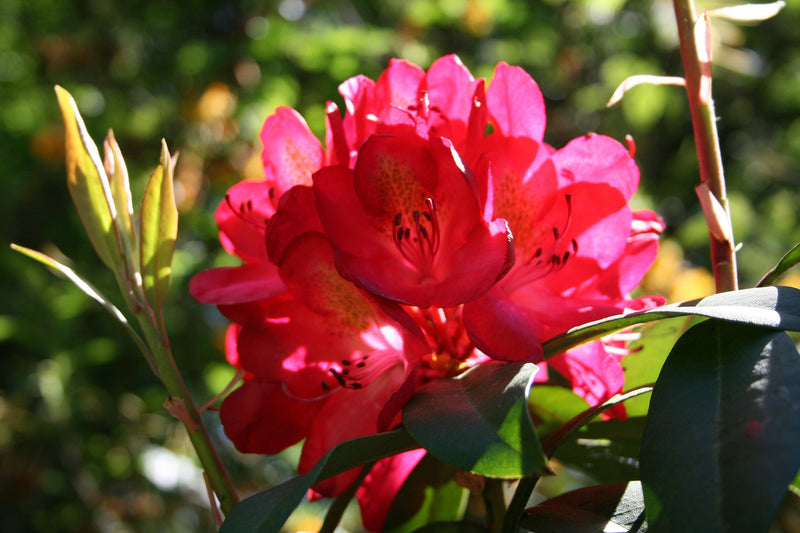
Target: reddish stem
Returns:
[[698, 87]]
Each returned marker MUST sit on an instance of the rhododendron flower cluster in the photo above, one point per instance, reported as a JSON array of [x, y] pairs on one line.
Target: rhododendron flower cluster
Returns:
[[413, 245]]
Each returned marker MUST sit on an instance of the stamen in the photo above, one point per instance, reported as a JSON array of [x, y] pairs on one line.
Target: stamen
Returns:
[[245, 212], [418, 239], [338, 377], [545, 261], [358, 373]]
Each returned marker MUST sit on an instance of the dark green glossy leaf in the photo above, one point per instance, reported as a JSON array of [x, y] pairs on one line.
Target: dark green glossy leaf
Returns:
[[88, 184], [159, 229], [552, 443], [267, 511], [604, 508], [721, 443], [789, 260], [479, 421], [772, 307]]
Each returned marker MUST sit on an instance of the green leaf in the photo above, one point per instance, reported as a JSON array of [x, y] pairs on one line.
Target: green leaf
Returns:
[[267, 511], [159, 230], [789, 260], [604, 508], [772, 307], [608, 450], [647, 356], [90, 291], [451, 527], [88, 184], [479, 421], [555, 439], [721, 443], [428, 495], [117, 173], [551, 406]]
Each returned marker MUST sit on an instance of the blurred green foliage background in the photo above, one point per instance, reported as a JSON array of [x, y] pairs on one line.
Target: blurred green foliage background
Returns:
[[84, 442]]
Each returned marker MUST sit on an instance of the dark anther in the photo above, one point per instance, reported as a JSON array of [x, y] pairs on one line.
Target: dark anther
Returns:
[[397, 219], [346, 362], [362, 364], [338, 377], [355, 386], [325, 387]]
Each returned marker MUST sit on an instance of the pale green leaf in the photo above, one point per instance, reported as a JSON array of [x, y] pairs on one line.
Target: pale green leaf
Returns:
[[88, 184], [158, 231]]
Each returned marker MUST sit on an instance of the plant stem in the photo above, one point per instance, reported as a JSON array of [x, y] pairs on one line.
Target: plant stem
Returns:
[[701, 106], [494, 500], [186, 411], [339, 505], [517, 506]]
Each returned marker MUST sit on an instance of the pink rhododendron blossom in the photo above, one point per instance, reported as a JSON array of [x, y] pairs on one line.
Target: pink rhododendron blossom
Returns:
[[411, 246]]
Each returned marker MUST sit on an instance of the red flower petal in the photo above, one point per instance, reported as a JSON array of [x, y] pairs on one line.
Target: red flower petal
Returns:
[[242, 217], [376, 495], [347, 414], [260, 418], [430, 244], [597, 159], [502, 329], [231, 285], [450, 89], [296, 214], [516, 105], [291, 152], [399, 85]]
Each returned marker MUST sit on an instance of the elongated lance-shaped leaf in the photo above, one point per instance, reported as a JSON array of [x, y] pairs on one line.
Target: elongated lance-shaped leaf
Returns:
[[267, 511], [159, 229], [771, 307], [479, 421], [789, 260], [558, 436], [117, 173], [598, 509], [721, 442], [90, 291], [88, 184]]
